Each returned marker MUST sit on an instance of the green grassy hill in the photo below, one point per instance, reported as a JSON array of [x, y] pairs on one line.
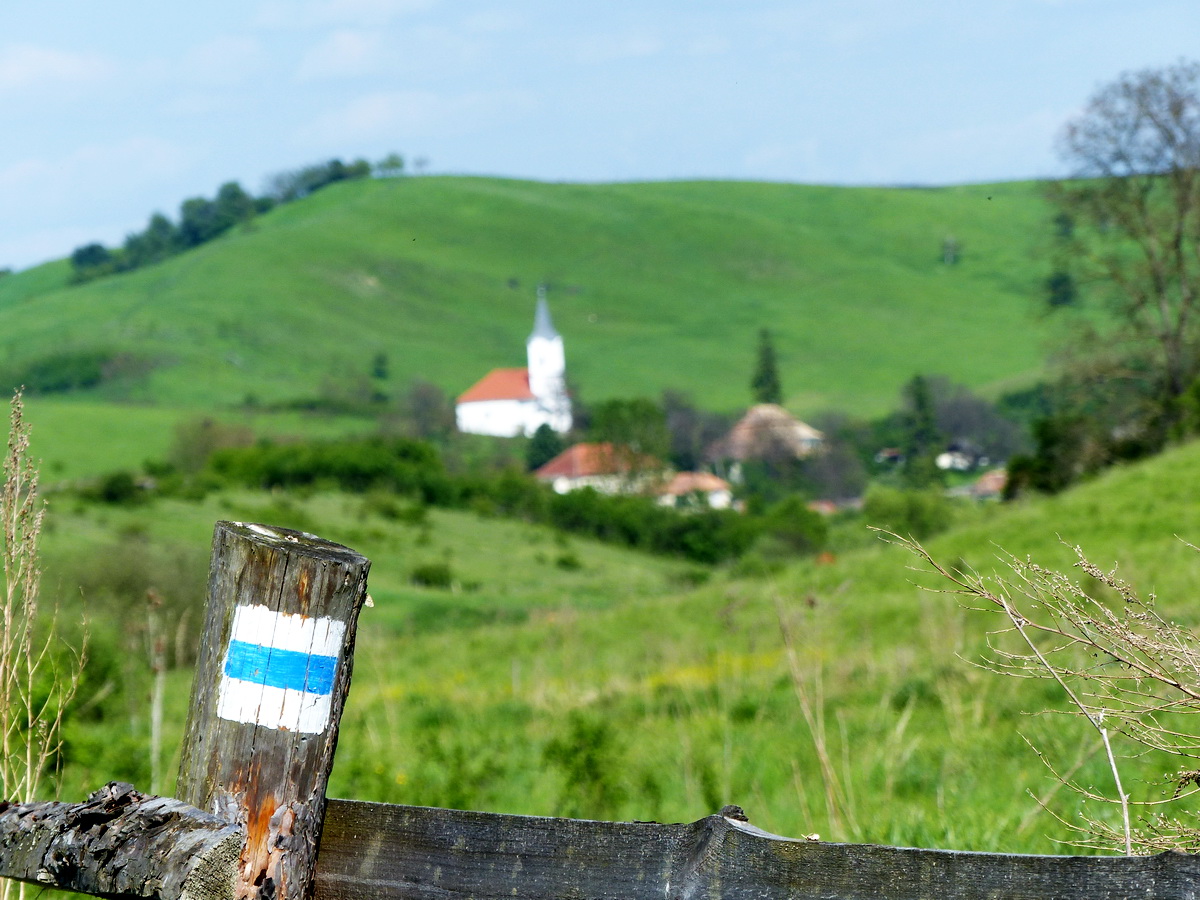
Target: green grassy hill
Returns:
[[653, 286]]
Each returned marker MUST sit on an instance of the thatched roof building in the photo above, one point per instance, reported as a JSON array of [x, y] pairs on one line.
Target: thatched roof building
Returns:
[[767, 431]]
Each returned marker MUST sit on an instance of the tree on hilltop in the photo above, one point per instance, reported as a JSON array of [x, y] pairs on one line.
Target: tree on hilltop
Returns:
[[391, 166], [233, 205], [159, 241]]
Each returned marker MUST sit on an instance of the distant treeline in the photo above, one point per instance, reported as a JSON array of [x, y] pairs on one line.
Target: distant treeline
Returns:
[[414, 468], [202, 219]]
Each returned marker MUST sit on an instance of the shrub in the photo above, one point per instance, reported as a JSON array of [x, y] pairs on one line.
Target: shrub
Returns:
[[795, 526], [917, 513], [592, 763], [397, 464], [1124, 668], [432, 575], [66, 371], [755, 565], [120, 488], [569, 561]]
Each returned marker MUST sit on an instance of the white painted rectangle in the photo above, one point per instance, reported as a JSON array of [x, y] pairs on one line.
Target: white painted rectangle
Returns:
[[279, 669]]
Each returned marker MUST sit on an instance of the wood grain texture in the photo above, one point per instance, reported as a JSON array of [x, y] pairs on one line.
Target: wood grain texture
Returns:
[[388, 852], [269, 779], [121, 843]]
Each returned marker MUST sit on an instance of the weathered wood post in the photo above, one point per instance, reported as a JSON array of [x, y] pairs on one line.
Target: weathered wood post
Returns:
[[271, 682]]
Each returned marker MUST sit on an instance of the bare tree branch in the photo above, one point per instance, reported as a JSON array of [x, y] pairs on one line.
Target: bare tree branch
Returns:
[[1126, 670]]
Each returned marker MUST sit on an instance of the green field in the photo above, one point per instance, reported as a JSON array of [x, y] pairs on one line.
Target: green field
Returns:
[[82, 437], [623, 686], [653, 286]]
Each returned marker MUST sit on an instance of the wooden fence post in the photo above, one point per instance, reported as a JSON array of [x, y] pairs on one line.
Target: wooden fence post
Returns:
[[271, 681], [121, 843]]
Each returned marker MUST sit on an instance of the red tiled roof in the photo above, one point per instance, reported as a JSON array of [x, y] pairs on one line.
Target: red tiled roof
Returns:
[[499, 384], [579, 461], [686, 482], [583, 460], [990, 483]]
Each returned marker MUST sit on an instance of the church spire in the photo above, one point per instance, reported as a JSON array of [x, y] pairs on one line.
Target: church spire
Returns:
[[542, 326]]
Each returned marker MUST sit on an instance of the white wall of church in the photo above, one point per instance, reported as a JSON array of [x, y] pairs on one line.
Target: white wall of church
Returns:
[[508, 418], [502, 418]]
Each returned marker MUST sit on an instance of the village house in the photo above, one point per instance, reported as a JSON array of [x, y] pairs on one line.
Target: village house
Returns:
[[766, 432], [605, 467], [689, 489], [511, 402]]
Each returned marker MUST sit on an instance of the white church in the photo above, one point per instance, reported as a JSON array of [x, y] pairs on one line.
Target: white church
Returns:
[[509, 402]]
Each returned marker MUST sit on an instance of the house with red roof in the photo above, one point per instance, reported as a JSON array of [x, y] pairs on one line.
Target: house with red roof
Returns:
[[510, 402], [690, 489], [604, 466]]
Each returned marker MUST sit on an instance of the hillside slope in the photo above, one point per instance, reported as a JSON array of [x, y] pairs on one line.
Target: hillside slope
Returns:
[[653, 286], [867, 721], [624, 686]]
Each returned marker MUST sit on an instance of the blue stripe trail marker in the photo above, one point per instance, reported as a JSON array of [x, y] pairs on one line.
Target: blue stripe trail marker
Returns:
[[279, 669]]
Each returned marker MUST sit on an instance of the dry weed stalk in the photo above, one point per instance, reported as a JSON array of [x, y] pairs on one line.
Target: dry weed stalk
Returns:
[[35, 687], [1124, 669], [839, 805]]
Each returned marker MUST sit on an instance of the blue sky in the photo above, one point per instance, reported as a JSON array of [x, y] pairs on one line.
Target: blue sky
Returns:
[[114, 110]]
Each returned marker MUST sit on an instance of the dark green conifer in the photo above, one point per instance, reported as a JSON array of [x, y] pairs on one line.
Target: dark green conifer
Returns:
[[765, 384]]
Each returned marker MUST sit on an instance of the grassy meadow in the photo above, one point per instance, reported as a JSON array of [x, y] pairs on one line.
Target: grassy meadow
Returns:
[[556, 676], [79, 437], [653, 286]]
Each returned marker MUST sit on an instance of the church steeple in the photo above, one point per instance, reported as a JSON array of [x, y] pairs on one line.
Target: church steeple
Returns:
[[542, 326], [548, 366]]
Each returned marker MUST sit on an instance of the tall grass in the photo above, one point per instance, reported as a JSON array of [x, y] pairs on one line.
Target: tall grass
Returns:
[[37, 678]]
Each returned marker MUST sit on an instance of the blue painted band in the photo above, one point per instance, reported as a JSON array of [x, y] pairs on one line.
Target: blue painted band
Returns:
[[280, 668]]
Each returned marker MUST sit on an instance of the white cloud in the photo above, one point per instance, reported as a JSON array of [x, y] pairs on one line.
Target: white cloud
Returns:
[[611, 48], [229, 59], [26, 66], [779, 159], [324, 13], [983, 151], [416, 114], [31, 248], [494, 21], [342, 54], [96, 192], [93, 174]]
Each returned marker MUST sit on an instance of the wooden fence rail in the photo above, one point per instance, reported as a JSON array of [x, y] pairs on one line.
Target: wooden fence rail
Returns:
[[252, 820]]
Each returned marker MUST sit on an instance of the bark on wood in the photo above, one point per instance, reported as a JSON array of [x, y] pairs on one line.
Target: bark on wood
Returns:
[[259, 743], [121, 843], [413, 853]]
